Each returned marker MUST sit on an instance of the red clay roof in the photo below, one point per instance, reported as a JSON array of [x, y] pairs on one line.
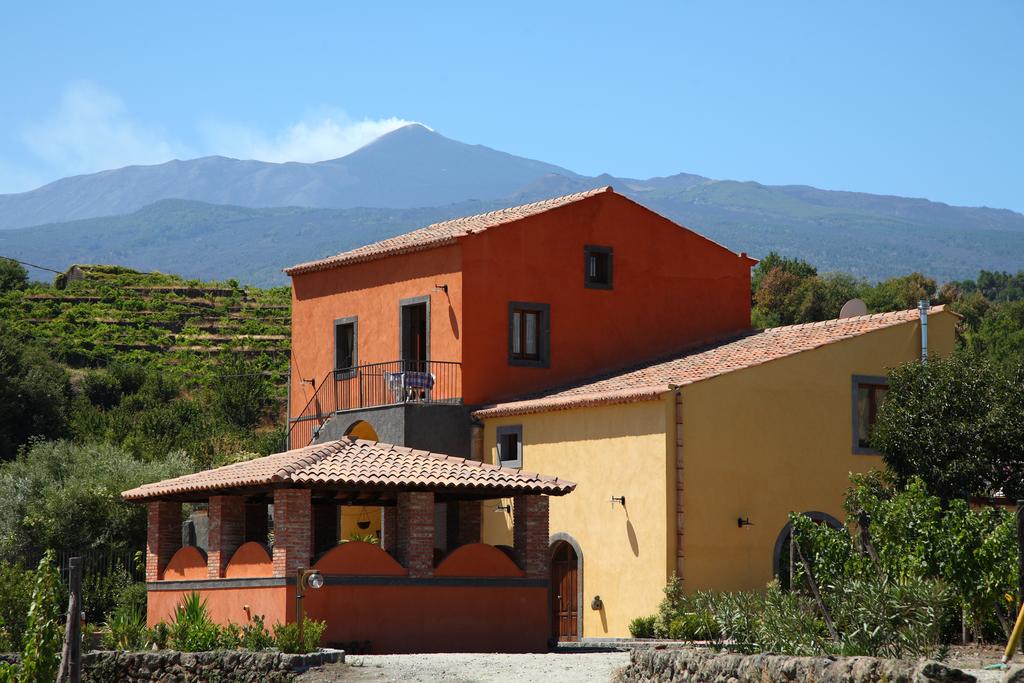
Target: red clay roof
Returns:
[[353, 463], [440, 234], [649, 381]]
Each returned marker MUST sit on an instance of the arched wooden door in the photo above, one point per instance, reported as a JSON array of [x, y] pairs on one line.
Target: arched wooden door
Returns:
[[565, 608]]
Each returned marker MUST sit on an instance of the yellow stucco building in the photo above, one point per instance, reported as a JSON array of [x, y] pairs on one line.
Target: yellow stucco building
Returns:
[[692, 464]]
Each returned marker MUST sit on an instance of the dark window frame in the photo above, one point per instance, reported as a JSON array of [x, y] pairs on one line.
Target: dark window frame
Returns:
[[501, 434], [354, 322], [543, 359], [588, 251], [857, 383], [412, 301]]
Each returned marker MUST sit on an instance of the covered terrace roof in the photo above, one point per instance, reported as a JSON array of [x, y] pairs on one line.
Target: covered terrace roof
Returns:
[[648, 381], [354, 465]]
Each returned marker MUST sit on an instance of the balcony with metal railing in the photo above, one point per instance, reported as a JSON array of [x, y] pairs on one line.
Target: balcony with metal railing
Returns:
[[374, 385]]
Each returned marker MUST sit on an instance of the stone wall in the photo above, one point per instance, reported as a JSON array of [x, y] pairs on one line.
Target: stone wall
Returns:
[[225, 665], [705, 666]]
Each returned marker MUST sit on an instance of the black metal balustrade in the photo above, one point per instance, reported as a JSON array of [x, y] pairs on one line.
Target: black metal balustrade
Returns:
[[376, 384]]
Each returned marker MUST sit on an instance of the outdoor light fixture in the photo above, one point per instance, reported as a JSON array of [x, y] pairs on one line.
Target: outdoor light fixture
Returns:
[[621, 500], [743, 521], [305, 578]]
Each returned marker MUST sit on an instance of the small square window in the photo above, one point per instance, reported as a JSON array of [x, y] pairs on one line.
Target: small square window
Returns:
[[868, 395], [597, 267], [510, 446]]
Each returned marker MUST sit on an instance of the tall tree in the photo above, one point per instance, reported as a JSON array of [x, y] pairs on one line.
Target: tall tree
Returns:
[[956, 422]]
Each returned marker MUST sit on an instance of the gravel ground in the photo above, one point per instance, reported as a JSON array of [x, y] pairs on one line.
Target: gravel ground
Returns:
[[466, 668], [563, 667]]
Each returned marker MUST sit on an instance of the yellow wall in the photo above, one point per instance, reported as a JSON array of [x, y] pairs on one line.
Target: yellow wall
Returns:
[[351, 515], [776, 438], [608, 451]]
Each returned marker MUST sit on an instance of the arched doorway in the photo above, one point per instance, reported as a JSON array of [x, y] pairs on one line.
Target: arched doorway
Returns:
[[360, 522], [565, 592], [782, 557]]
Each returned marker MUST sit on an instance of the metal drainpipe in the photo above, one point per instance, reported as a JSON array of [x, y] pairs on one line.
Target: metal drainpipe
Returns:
[[922, 308]]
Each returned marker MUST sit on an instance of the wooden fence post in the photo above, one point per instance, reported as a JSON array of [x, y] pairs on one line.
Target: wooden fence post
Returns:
[[71, 656]]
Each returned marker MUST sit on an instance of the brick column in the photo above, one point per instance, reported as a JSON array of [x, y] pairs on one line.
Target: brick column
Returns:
[[469, 522], [530, 534], [292, 530], [389, 530], [226, 532], [163, 537], [416, 532]]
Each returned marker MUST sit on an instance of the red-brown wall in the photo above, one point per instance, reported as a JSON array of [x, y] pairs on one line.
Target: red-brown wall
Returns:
[[369, 597], [672, 288]]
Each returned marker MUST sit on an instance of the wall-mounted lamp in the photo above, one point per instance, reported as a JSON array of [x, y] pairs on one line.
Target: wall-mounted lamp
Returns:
[[507, 507], [743, 521], [621, 500], [441, 288], [305, 578], [597, 603]]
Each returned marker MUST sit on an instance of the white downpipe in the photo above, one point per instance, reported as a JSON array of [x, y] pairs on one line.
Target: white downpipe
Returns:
[[922, 308]]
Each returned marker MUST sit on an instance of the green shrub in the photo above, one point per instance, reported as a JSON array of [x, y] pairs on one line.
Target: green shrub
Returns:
[[192, 630], [881, 618], [290, 641], [15, 598], [160, 634], [101, 389], [43, 635], [101, 592], [642, 627], [255, 635], [134, 595], [126, 630], [67, 496]]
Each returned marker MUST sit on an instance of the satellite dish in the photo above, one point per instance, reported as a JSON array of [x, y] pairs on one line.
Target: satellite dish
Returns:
[[853, 307]]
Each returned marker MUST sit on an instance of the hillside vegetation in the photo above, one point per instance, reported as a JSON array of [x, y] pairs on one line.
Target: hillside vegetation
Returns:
[[151, 362]]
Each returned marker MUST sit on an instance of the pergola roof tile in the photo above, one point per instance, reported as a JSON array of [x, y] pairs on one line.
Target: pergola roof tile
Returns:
[[351, 463]]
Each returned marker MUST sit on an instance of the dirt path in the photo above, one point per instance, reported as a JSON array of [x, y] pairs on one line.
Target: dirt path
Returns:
[[473, 668]]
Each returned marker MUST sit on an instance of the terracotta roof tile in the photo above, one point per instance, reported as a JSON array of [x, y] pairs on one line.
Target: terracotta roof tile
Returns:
[[352, 463], [648, 381], [440, 234]]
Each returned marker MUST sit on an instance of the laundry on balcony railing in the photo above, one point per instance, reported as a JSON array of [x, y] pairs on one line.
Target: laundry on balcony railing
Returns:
[[373, 385]]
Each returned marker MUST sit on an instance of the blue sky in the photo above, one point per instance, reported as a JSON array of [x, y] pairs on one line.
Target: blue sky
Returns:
[[921, 99]]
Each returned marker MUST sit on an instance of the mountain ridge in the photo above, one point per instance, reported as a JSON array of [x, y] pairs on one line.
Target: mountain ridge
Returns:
[[409, 167], [250, 218]]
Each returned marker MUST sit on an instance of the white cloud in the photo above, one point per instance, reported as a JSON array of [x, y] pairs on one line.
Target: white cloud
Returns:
[[317, 138], [91, 131]]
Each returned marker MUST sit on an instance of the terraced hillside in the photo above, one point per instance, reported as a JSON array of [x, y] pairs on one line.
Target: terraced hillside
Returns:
[[94, 316]]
